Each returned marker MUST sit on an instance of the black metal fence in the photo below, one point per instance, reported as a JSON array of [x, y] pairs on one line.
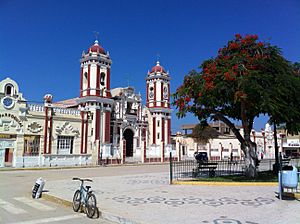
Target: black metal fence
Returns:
[[190, 169], [267, 164]]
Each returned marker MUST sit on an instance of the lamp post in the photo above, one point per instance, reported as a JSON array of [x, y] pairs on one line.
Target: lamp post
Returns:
[[264, 141], [100, 151], [221, 150]]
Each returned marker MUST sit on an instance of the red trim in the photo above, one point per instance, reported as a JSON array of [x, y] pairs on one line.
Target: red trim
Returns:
[[46, 130], [108, 80], [163, 129], [98, 81], [163, 152], [154, 131], [107, 127], [145, 151], [162, 95], [99, 154], [97, 125], [81, 79], [108, 93], [50, 132], [89, 80], [169, 131], [124, 150], [82, 131], [147, 95], [86, 135], [155, 94], [168, 95]]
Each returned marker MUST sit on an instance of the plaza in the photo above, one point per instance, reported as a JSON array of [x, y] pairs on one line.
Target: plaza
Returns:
[[142, 194]]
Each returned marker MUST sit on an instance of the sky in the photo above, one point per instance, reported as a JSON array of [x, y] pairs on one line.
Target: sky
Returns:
[[41, 41]]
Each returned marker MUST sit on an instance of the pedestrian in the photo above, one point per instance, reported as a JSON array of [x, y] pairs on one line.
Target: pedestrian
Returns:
[[118, 156]]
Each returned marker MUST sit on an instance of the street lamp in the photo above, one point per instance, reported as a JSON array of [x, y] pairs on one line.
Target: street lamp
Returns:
[[264, 140], [221, 151]]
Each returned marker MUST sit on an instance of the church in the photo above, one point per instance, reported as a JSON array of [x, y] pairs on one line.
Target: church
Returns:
[[100, 126]]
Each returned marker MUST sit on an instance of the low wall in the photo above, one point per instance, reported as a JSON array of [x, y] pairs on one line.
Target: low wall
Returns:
[[53, 160], [67, 160]]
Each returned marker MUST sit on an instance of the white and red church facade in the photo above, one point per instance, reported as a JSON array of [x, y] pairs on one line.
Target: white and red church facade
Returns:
[[101, 125]]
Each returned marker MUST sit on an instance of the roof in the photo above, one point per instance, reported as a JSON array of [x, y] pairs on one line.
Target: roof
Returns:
[[158, 68], [66, 103], [97, 48], [188, 126]]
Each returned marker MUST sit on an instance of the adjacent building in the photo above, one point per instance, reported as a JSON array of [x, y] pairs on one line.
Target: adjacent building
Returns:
[[227, 146]]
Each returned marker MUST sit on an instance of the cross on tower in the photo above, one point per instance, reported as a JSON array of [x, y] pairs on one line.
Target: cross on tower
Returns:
[[96, 33], [157, 56]]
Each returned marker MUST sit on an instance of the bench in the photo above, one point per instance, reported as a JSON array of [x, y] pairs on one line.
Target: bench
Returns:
[[285, 162], [205, 166]]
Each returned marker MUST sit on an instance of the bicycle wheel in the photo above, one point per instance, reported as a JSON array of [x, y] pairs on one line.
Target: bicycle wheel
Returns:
[[91, 206], [76, 201]]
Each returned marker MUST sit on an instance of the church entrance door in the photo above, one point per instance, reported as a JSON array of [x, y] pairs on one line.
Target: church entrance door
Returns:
[[128, 136]]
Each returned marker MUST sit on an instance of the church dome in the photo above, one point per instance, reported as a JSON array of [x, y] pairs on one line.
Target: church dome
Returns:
[[96, 48], [158, 68]]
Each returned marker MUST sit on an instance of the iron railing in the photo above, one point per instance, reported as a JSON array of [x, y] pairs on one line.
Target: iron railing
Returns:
[[267, 164], [190, 169]]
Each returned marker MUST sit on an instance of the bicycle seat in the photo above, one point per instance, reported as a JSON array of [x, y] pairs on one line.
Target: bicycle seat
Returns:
[[88, 187]]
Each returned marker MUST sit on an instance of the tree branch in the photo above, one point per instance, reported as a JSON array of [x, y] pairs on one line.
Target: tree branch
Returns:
[[236, 132]]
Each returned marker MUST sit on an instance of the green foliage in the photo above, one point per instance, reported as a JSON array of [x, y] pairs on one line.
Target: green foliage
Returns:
[[247, 78]]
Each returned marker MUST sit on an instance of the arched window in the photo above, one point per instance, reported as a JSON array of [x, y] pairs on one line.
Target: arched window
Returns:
[[9, 89], [85, 81], [102, 78]]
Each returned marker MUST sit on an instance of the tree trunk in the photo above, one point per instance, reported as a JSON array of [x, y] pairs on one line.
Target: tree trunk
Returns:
[[249, 149]]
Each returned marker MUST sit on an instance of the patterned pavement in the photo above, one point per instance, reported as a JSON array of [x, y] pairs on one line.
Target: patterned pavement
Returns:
[[148, 198]]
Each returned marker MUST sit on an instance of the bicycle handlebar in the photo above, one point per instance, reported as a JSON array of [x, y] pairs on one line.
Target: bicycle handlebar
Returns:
[[77, 178]]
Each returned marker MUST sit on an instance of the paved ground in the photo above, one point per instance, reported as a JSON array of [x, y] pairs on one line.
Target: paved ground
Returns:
[[140, 194], [147, 197], [17, 206]]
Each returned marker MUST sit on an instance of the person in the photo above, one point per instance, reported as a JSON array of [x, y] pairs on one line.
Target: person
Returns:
[[261, 156], [118, 157], [231, 156]]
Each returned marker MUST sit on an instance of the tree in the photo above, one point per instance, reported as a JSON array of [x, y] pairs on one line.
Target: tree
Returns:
[[247, 78], [202, 133]]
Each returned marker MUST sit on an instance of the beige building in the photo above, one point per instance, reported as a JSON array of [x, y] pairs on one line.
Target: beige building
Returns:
[[23, 142], [221, 148]]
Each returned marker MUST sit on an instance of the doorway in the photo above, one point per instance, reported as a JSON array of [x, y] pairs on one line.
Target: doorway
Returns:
[[128, 136], [8, 156]]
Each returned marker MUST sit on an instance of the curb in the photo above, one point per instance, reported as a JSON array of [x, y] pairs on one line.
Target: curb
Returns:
[[57, 200], [79, 167], [46, 168], [292, 195], [208, 183], [102, 214]]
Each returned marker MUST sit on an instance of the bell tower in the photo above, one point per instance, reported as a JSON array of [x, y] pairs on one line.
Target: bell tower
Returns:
[[158, 102], [95, 72], [95, 98]]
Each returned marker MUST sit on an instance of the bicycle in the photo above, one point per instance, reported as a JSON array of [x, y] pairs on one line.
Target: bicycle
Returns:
[[85, 197]]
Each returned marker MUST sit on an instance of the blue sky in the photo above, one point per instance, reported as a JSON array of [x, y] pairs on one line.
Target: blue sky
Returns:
[[41, 41]]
